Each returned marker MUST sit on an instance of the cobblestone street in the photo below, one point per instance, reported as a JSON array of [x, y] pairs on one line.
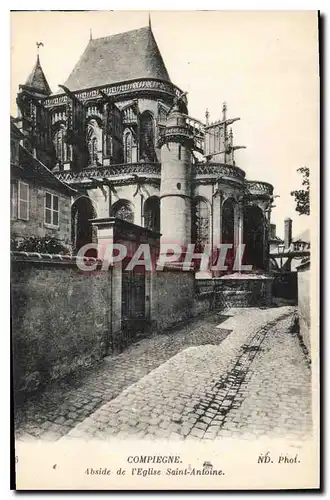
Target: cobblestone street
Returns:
[[239, 374]]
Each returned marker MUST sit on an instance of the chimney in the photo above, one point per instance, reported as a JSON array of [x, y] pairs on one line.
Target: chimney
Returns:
[[272, 231], [287, 232]]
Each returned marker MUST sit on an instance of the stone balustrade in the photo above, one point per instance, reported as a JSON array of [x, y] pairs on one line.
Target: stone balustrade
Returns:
[[150, 170], [217, 171], [259, 188], [119, 89]]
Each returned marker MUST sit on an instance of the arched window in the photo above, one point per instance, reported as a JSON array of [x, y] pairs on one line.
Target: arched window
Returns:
[[123, 210], [60, 145], [227, 232], [201, 217], [82, 211], [152, 213], [254, 237], [128, 146], [94, 142], [147, 137]]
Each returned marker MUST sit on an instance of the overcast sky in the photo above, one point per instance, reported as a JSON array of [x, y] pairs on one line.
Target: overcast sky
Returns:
[[263, 64]]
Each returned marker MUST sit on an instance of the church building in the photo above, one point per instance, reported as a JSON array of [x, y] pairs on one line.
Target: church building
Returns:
[[119, 134]]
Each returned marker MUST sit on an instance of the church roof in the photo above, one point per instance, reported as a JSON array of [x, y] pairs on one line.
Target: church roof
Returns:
[[37, 80], [118, 58]]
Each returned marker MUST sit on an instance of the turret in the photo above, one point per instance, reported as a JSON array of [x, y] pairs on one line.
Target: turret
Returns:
[[37, 82], [175, 188]]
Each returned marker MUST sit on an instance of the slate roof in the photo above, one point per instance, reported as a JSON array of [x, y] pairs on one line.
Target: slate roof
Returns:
[[15, 132], [118, 58], [276, 238], [304, 236], [32, 168], [37, 80]]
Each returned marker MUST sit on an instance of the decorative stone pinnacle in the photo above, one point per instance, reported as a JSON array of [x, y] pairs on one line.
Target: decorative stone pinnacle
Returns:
[[224, 109], [207, 115]]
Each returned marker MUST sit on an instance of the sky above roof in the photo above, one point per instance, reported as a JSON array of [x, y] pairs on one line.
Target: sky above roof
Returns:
[[264, 64]]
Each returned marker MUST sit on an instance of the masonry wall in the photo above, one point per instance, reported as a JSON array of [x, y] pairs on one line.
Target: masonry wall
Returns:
[[304, 277], [61, 320], [35, 225], [172, 298]]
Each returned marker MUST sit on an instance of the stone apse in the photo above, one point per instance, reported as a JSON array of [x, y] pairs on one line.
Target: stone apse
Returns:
[[129, 148]]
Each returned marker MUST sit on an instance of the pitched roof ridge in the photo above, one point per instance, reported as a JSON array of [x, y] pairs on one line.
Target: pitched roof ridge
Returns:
[[120, 33]]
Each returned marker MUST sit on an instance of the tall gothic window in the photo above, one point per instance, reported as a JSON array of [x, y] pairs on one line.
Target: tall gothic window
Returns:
[[128, 146], [94, 142], [147, 137], [202, 223], [152, 213], [122, 209], [228, 209], [60, 145]]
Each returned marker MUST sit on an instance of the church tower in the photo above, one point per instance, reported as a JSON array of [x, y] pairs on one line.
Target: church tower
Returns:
[[175, 187]]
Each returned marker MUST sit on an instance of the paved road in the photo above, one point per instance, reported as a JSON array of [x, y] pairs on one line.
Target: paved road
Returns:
[[239, 375], [53, 413], [256, 382]]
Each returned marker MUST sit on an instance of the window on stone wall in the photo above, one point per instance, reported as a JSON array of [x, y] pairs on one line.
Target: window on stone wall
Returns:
[[128, 146], [23, 201], [152, 213], [228, 209], [60, 145], [51, 209], [94, 142], [202, 222], [147, 137], [122, 209]]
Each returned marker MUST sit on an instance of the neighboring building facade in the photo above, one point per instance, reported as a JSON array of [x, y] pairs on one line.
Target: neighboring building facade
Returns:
[[40, 203], [120, 135], [290, 253]]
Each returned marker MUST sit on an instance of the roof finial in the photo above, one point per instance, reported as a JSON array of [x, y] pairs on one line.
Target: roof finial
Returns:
[[90, 34], [39, 44], [149, 19]]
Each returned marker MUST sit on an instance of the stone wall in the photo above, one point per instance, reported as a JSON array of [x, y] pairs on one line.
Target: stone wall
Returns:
[[61, 319], [208, 296], [304, 282], [35, 225], [233, 291], [172, 298]]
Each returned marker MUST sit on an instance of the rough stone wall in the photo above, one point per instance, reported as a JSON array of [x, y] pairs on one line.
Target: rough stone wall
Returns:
[[172, 298], [304, 277], [36, 226], [60, 320], [223, 293]]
